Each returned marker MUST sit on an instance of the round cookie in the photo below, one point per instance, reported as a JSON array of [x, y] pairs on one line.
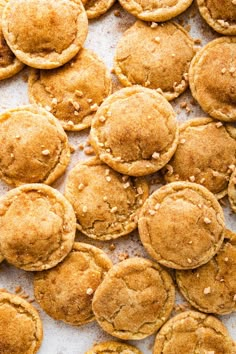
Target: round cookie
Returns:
[[232, 190], [157, 58], [96, 8], [193, 332], [134, 300], [106, 203], [21, 330], [135, 131], [66, 291], [212, 78], [155, 10], [113, 348], [9, 64], [74, 91], [37, 227], [44, 46], [212, 287], [181, 225], [206, 154], [34, 147], [220, 15]]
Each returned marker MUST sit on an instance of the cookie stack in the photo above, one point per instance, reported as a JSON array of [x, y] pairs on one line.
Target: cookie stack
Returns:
[[134, 134]]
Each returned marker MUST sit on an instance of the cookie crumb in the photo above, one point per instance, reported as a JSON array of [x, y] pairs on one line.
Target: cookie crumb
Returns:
[[94, 107], [114, 210], [154, 25], [192, 178], [89, 291], [112, 247], [207, 291], [207, 221], [155, 155], [117, 13]]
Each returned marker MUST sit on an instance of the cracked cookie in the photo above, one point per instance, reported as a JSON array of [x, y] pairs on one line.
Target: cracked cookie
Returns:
[[212, 78], [181, 225], [72, 92], [232, 190], [66, 291], [155, 10], [44, 46], [106, 203], [135, 131], [157, 58], [212, 287], [9, 64], [34, 147], [134, 300], [206, 154], [96, 8], [220, 15], [37, 227], [21, 330], [193, 332], [113, 348]]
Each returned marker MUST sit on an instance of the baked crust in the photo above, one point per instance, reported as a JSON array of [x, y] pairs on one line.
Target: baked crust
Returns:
[[21, 329], [181, 225], [191, 332], [232, 190], [106, 203], [72, 92], [113, 348], [40, 46], [66, 291], [37, 227], [157, 58], [34, 147], [134, 300], [206, 154], [96, 8], [212, 78], [135, 131]]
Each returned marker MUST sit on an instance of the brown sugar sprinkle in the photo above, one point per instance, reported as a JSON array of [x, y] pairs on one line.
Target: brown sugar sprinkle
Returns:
[[197, 41], [123, 256], [18, 289], [81, 146], [183, 104], [72, 148], [89, 151], [112, 247], [117, 13], [188, 28]]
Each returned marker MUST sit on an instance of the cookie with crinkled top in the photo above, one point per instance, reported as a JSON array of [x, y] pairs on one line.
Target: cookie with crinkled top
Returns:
[[96, 8], [113, 348]]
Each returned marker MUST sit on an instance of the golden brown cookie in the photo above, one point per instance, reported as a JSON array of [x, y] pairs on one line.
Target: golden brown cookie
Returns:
[[72, 92], [232, 190], [21, 330], [113, 348], [193, 332], [155, 10], [220, 15], [212, 78], [212, 287], [206, 154], [106, 203], [134, 300], [66, 291], [34, 147], [157, 58], [135, 131], [44, 34], [96, 8], [181, 225], [9, 64], [37, 227]]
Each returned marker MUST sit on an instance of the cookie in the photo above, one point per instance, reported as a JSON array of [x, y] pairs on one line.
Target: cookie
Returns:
[[212, 78], [113, 348], [1, 257], [34, 147], [181, 225], [96, 8], [212, 287], [37, 227], [206, 154], [155, 10], [106, 203], [193, 332], [9, 64], [157, 58], [74, 91], [220, 15], [134, 300], [44, 46], [21, 330], [66, 291], [232, 191], [135, 131]]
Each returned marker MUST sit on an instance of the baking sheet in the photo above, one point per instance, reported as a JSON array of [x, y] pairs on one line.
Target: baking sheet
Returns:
[[103, 36]]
